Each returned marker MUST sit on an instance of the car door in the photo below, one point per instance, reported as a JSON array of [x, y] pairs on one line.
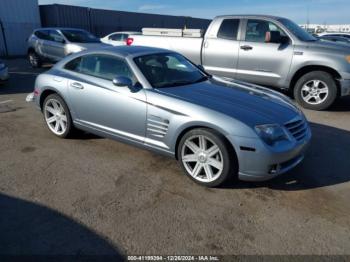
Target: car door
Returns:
[[220, 49], [98, 104], [41, 41], [262, 62], [56, 45]]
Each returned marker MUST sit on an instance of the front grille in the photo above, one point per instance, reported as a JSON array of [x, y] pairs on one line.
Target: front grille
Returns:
[[298, 129]]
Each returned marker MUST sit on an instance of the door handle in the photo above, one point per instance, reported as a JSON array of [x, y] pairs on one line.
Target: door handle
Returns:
[[77, 85], [246, 47]]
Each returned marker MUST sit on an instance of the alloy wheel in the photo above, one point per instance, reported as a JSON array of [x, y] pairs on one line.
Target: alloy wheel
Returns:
[[202, 158], [55, 116], [314, 92]]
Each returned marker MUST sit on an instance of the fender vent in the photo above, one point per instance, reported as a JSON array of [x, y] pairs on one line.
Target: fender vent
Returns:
[[157, 127]]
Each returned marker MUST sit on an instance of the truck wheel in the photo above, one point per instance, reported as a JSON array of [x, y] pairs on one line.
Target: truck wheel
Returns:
[[205, 157], [34, 59], [316, 90]]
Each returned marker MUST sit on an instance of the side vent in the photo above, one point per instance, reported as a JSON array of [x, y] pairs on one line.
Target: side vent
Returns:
[[157, 127]]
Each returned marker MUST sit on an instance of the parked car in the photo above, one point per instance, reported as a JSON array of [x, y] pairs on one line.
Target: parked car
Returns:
[[159, 100], [53, 44], [4, 75], [337, 34], [337, 39], [266, 50], [118, 38]]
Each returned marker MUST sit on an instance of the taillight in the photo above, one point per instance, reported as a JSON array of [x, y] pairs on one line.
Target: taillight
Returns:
[[36, 92], [129, 41]]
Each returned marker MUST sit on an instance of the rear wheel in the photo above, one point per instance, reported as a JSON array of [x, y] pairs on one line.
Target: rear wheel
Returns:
[[205, 157], [34, 59], [316, 90], [57, 116]]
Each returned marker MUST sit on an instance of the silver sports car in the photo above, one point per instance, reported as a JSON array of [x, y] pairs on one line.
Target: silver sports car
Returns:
[[216, 128]]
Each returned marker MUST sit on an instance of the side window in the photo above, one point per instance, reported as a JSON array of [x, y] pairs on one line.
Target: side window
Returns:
[[257, 29], [116, 37], [73, 65], [102, 66], [55, 36], [42, 34], [229, 29]]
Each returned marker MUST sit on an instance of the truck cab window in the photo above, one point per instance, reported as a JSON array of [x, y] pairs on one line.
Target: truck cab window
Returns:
[[257, 29], [229, 29]]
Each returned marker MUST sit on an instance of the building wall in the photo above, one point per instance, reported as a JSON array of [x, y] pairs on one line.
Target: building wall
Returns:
[[18, 19], [102, 22]]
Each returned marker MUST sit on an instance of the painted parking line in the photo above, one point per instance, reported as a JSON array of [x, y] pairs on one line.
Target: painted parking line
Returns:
[[6, 101]]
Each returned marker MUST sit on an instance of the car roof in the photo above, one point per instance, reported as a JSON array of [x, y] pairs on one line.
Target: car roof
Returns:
[[252, 16], [125, 51]]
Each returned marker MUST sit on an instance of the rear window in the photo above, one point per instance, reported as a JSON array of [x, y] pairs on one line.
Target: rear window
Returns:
[[229, 29]]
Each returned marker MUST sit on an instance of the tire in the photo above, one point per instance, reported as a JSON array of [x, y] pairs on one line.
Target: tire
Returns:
[[57, 116], [203, 168], [316, 90], [34, 59]]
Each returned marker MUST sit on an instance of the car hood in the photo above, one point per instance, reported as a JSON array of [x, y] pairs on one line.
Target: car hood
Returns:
[[248, 103], [330, 46]]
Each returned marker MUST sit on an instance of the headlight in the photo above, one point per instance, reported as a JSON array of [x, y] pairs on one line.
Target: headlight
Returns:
[[71, 48], [271, 134], [2, 65], [348, 58]]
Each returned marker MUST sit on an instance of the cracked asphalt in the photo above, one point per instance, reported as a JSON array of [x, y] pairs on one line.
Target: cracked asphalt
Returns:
[[91, 195]]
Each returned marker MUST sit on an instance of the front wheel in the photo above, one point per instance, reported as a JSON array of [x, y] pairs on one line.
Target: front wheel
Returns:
[[57, 116], [316, 90], [206, 158], [34, 59]]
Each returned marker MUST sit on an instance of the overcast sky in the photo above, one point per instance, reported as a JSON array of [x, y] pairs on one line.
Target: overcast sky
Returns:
[[320, 11]]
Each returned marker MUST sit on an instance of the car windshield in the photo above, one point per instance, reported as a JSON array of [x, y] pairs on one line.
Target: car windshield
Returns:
[[169, 70], [300, 33], [79, 36]]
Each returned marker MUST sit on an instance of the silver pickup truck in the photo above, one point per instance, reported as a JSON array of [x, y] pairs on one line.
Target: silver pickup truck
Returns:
[[265, 50]]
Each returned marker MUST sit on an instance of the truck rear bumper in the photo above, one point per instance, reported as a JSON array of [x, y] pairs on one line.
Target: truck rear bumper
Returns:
[[344, 87]]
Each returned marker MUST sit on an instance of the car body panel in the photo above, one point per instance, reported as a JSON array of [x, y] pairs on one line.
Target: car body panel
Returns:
[[156, 118]]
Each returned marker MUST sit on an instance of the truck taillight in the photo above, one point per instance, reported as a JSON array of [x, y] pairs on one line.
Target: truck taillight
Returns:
[[129, 41]]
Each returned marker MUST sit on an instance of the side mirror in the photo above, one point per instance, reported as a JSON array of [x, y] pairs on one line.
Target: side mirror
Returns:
[[273, 37], [122, 81]]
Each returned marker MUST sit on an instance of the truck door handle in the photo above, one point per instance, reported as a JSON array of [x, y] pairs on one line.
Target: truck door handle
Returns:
[[77, 85], [246, 47]]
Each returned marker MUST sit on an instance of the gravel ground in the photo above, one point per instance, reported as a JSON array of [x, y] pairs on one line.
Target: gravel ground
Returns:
[[91, 195]]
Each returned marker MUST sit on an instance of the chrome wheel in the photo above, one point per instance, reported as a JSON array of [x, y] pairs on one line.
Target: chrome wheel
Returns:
[[55, 116], [314, 92], [33, 59], [202, 158]]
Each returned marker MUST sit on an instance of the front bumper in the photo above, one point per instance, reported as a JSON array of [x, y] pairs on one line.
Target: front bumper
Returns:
[[4, 74], [344, 87], [264, 163]]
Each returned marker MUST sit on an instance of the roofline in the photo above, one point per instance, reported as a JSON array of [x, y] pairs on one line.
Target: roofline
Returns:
[[251, 15]]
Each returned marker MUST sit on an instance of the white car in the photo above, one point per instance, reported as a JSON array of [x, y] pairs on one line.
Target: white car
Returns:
[[118, 38]]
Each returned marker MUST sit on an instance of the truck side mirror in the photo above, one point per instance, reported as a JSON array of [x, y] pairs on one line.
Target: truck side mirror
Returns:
[[273, 37]]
